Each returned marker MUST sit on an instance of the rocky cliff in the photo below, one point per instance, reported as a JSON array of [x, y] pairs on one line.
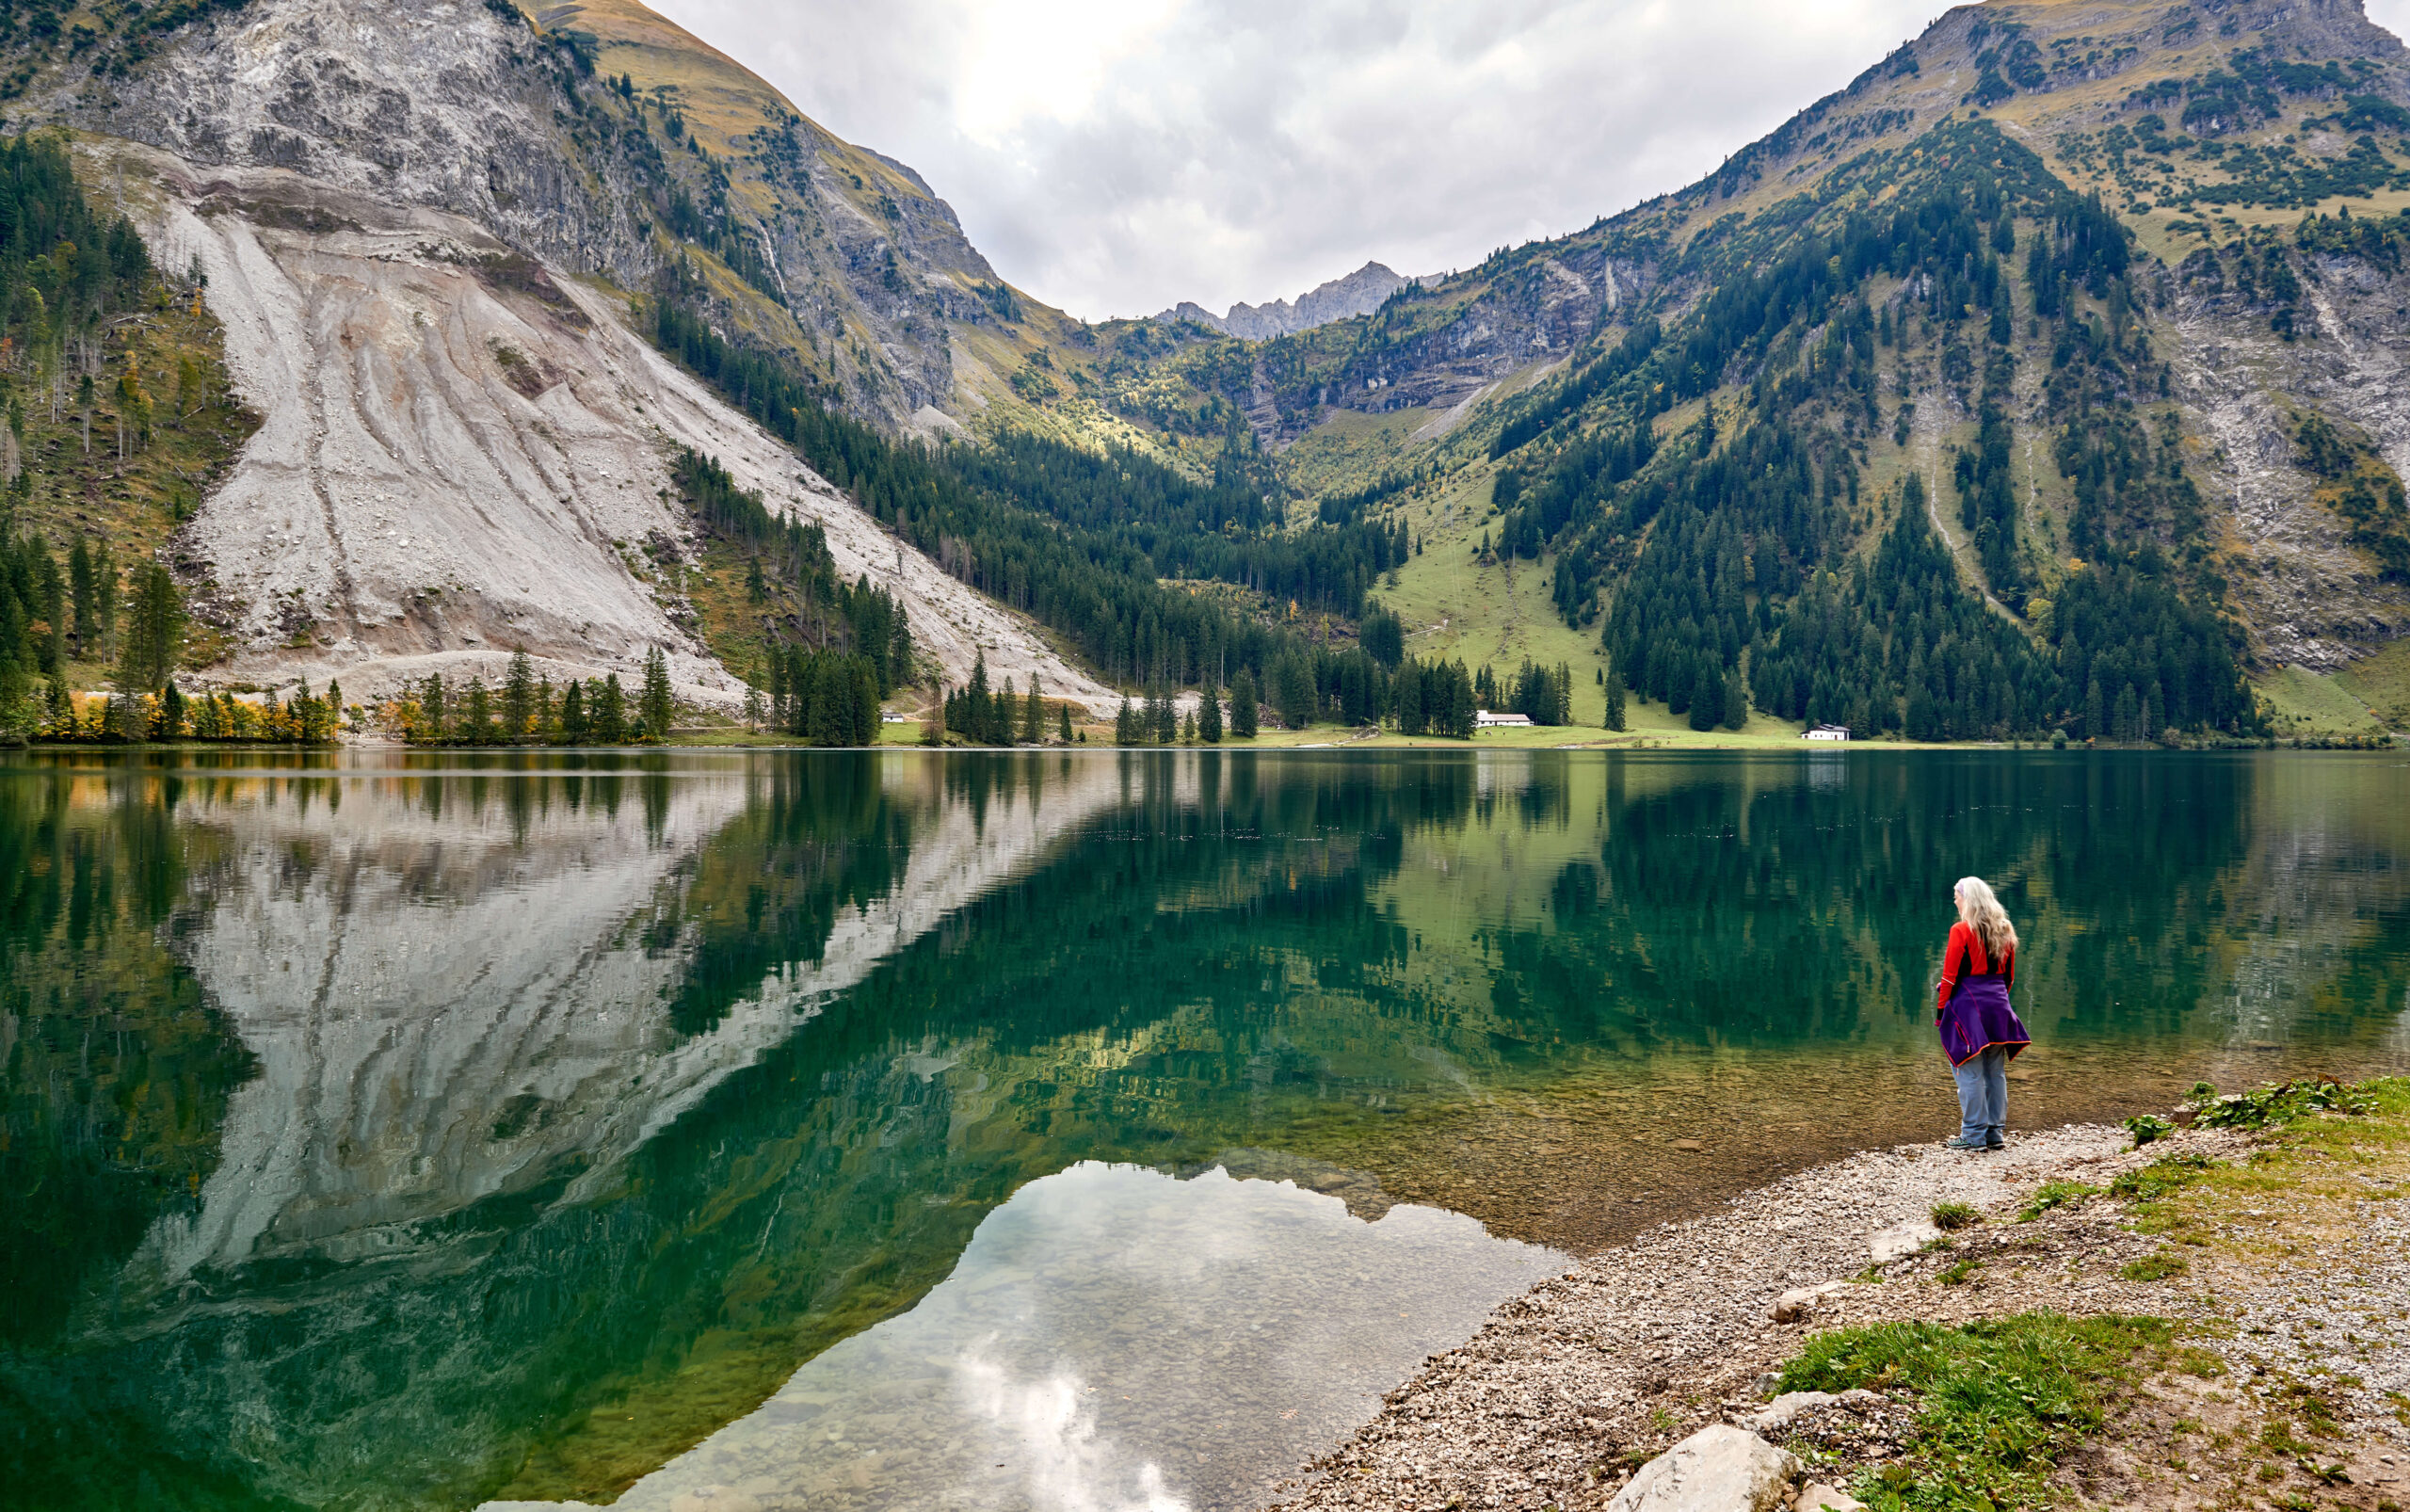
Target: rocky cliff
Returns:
[[1359, 293], [420, 224]]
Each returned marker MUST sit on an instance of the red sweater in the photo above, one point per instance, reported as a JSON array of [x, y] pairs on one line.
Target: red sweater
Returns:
[[1965, 953]]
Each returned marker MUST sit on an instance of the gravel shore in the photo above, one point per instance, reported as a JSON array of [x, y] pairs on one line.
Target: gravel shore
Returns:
[[1573, 1385]]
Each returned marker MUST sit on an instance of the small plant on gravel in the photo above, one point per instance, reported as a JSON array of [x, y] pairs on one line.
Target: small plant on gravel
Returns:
[[2156, 1266], [1958, 1274], [1956, 1215], [2149, 1128], [2000, 1401], [2054, 1194], [2272, 1106]]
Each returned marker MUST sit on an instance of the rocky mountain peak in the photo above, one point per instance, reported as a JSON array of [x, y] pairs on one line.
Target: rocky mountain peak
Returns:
[[1359, 293]]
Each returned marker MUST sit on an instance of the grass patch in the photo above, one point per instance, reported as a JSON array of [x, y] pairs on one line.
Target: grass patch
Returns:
[[2054, 1194], [2161, 1177], [1949, 1216], [2158, 1266], [1959, 1273], [2001, 1401]]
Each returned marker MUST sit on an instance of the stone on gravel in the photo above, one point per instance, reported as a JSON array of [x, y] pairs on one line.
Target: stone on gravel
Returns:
[[1819, 1497], [1796, 1304], [1902, 1240], [1719, 1468], [1778, 1413]]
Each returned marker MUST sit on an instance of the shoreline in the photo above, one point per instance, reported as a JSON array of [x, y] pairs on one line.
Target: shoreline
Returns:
[[1571, 1387]]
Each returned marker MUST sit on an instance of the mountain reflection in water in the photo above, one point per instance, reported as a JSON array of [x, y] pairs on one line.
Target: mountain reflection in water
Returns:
[[398, 1132]]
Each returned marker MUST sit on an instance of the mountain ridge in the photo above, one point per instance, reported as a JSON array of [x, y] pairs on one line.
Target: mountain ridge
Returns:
[[1359, 293]]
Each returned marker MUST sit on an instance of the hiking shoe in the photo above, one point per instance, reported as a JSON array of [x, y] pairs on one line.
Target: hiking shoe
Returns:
[[1963, 1143], [1997, 1144]]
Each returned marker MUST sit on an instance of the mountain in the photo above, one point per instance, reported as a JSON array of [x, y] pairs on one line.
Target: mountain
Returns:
[[2041, 380], [1359, 293], [2136, 335], [427, 234]]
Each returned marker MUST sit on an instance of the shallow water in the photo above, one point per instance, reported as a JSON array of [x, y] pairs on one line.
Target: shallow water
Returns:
[[407, 1131]]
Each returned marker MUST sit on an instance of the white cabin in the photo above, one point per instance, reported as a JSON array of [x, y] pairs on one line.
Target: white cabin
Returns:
[[1827, 733], [1484, 719]]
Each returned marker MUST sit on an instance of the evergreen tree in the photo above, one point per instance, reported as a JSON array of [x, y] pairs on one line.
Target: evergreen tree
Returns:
[[1735, 700], [1125, 724], [1615, 718], [104, 603], [434, 722], [1293, 688], [478, 725], [154, 632], [1243, 704], [1033, 720], [84, 597], [611, 711], [1062, 715], [654, 703], [574, 728], [1209, 715], [1188, 731], [519, 697], [1166, 710]]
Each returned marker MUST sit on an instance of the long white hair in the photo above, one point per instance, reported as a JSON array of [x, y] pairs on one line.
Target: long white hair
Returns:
[[1980, 911]]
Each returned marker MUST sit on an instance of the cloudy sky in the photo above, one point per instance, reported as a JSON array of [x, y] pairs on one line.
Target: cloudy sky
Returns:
[[1116, 156]]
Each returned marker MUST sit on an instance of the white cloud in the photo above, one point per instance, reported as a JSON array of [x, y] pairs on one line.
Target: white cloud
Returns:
[[1115, 157]]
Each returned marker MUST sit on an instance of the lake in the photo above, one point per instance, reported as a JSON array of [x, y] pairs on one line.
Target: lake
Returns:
[[986, 1131]]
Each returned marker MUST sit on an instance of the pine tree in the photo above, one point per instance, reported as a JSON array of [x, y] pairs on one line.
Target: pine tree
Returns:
[[1736, 700], [1243, 704], [654, 703], [1166, 718], [519, 697], [1063, 727], [334, 705], [1188, 731], [1008, 716], [1209, 715], [79, 577], [1033, 721], [154, 634], [1614, 719], [478, 725], [433, 725], [976, 716], [574, 728], [611, 711], [1125, 724]]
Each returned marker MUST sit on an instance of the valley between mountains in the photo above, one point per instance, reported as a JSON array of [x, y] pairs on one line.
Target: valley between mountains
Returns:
[[2045, 382]]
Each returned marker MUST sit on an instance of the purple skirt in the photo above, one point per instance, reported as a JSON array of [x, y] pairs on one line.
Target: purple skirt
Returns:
[[1979, 1018]]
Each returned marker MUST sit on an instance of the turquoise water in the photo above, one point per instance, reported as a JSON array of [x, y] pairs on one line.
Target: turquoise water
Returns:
[[811, 1127]]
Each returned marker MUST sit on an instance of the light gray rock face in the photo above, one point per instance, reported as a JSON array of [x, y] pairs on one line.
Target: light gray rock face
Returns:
[[1719, 1468], [1359, 293], [463, 455], [437, 103], [2310, 597]]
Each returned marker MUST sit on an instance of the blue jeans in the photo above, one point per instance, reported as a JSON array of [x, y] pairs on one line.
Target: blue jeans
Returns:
[[1983, 1096]]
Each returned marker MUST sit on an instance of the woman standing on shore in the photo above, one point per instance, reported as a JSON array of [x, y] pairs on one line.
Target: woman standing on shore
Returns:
[[1979, 1032]]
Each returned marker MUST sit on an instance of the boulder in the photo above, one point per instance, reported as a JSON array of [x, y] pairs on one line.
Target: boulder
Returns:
[[1818, 1496], [1719, 1468], [1902, 1239], [1777, 1414], [1796, 1304]]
